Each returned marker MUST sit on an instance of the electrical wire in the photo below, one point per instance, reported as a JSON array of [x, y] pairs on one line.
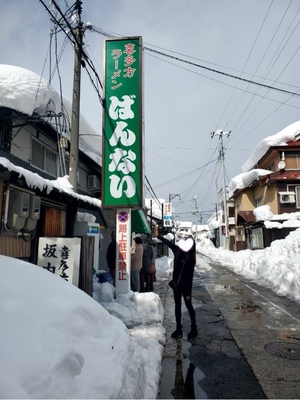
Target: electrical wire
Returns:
[[264, 78], [102, 32], [74, 40], [225, 83], [152, 191], [249, 81], [248, 57]]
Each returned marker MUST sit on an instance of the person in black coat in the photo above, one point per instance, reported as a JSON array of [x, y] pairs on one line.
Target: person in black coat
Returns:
[[111, 256], [145, 276], [183, 272]]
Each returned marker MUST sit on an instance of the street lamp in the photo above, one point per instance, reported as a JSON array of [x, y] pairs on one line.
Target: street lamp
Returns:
[[172, 196]]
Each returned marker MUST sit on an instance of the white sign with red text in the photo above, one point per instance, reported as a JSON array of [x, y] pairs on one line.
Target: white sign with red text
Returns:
[[167, 214], [123, 256]]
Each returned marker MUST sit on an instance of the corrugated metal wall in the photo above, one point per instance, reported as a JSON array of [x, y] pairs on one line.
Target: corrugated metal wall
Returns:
[[14, 247]]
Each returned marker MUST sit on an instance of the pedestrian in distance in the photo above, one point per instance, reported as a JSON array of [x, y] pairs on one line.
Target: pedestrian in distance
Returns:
[[111, 256], [145, 275], [184, 263], [136, 264], [153, 268]]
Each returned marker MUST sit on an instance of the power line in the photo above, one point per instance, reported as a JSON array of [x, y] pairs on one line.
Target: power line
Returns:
[[102, 32], [223, 73], [225, 83], [152, 191], [183, 176], [74, 41], [265, 74], [252, 48]]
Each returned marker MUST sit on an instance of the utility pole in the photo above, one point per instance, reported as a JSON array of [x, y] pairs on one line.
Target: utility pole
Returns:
[[74, 145], [220, 133], [196, 212]]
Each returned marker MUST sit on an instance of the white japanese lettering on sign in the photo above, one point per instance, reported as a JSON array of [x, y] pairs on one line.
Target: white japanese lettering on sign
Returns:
[[122, 160]]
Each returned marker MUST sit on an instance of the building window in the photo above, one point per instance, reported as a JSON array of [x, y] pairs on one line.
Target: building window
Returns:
[[240, 234], [43, 158], [5, 130], [231, 211], [257, 238], [297, 190], [258, 202], [292, 161]]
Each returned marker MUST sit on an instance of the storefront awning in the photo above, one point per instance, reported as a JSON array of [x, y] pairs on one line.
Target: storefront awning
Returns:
[[245, 217], [139, 222]]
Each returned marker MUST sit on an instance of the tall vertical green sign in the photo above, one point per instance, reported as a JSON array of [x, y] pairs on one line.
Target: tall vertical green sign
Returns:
[[122, 143]]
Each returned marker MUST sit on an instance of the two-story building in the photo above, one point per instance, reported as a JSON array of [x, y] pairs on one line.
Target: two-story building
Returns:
[[36, 198], [271, 177]]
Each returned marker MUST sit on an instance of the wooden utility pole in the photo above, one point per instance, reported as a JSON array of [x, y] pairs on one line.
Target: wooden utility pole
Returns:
[[220, 133], [74, 145]]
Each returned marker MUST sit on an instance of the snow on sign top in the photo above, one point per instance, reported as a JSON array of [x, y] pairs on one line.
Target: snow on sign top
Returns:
[[25, 91], [289, 134]]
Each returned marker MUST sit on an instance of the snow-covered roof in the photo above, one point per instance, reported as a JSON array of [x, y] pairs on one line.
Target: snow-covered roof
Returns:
[[245, 179], [271, 221], [62, 184], [25, 91], [154, 207], [215, 221], [289, 134]]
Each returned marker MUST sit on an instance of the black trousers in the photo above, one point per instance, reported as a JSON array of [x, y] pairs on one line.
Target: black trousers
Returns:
[[180, 292]]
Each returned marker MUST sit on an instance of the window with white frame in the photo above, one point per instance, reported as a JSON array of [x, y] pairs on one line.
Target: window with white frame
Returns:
[[240, 234], [43, 158], [257, 238], [297, 190]]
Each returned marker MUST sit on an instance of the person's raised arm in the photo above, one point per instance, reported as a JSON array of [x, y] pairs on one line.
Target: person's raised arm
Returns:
[[167, 242]]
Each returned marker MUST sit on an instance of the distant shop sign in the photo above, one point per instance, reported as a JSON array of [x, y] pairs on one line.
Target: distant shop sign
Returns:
[[167, 214]]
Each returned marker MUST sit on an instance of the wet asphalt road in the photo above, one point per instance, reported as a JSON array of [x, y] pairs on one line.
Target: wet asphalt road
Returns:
[[248, 345]]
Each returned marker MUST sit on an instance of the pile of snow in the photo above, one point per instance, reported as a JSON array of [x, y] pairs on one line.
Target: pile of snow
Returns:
[[276, 267], [263, 213], [58, 342], [245, 179], [271, 221]]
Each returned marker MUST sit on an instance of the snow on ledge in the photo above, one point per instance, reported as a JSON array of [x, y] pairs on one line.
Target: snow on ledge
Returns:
[[34, 181], [245, 179]]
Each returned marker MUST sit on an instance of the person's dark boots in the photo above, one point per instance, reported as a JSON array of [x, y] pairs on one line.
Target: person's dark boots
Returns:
[[178, 333], [193, 333]]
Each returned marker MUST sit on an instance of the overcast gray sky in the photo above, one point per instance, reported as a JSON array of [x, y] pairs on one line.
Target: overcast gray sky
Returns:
[[257, 40]]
